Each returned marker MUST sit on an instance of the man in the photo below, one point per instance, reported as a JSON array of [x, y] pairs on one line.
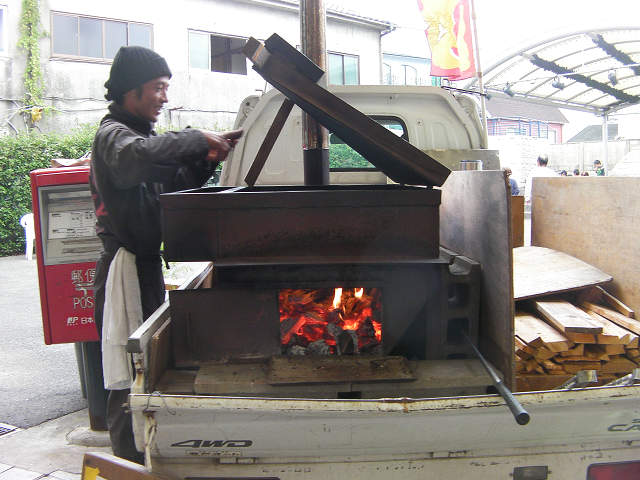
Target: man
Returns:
[[599, 169], [130, 167], [515, 190], [541, 170]]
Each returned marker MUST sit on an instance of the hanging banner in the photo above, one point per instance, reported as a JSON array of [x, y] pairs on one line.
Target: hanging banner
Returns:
[[449, 35]]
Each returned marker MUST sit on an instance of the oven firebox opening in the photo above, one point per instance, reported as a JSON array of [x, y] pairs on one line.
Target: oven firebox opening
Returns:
[[331, 321]]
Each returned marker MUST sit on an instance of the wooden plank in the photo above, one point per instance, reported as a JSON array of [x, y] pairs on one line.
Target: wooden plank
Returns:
[[581, 337], [159, 354], [591, 353], [618, 365], [606, 236], [538, 333], [541, 271], [523, 350], [533, 382], [337, 369], [268, 142], [541, 354], [612, 333], [614, 349], [615, 317], [616, 304], [576, 351], [475, 217], [567, 317], [553, 368], [575, 367], [109, 467], [517, 221], [633, 354]]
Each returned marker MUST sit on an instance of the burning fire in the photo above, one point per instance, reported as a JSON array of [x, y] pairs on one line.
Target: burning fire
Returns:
[[325, 321]]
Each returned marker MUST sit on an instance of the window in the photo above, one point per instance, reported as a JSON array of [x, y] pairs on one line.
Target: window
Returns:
[[344, 158], [90, 37], [343, 69], [217, 53], [3, 29]]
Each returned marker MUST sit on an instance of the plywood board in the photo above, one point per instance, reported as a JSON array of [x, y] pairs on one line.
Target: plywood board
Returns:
[[337, 369], [475, 221], [597, 220], [517, 221], [541, 271]]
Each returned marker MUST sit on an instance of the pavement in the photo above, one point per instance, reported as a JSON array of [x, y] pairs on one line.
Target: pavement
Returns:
[[52, 450], [44, 423]]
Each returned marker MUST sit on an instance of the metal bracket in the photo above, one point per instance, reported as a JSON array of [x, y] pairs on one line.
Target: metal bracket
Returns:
[[580, 380], [628, 380]]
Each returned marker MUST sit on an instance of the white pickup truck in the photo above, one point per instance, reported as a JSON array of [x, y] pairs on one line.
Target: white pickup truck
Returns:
[[458, 431]]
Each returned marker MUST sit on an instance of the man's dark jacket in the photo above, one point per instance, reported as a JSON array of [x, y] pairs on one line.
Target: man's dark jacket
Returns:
[[130, 167]]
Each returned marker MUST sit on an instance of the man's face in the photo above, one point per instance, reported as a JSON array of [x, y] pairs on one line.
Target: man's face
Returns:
[[149, 104]]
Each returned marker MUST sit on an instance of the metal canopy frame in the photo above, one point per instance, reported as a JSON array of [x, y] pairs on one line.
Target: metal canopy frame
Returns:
[[596, 71]]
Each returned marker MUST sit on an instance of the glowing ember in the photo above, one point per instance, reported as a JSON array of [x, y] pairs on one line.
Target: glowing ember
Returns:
[[331, 321]]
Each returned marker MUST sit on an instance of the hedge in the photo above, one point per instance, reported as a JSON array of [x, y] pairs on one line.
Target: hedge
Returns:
[[19, 154], [343, 156]]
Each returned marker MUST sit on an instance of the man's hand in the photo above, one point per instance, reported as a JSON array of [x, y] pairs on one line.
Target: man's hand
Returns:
[[220, 144]]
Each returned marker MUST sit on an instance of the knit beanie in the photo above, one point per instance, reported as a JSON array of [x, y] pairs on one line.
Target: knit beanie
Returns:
[[132, 67]]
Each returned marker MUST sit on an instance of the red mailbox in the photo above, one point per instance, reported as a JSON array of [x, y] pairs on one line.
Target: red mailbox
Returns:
[[67, 249]]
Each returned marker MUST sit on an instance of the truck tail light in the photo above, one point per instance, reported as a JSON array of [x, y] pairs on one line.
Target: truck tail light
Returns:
[[614, 471]]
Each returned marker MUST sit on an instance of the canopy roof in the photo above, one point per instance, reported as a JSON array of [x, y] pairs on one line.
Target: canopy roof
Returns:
[[595, 71]]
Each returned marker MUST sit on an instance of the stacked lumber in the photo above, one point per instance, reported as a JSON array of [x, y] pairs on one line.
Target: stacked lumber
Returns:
[[587, 331]]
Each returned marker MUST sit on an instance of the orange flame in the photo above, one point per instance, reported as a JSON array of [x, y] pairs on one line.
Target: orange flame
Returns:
[[337, 297], [357, 292], [377, 327]]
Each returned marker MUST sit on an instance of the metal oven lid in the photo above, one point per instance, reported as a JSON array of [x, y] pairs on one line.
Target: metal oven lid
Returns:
[[295, 75]]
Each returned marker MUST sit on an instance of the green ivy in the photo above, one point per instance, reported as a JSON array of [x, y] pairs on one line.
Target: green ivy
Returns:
[[18, 156], [30, 33]]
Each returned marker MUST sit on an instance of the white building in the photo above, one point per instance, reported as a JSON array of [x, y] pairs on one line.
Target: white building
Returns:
[[201, 40]]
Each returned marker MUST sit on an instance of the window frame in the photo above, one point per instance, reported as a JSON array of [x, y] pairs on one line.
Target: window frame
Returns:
[[209, 35], [4, 40], [372, 168], [343, 55], [83, 58]]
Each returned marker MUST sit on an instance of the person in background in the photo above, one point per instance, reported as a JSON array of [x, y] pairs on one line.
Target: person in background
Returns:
[[130, 167], [585, 174], [576, 172], [599, 169], [540, 170], [563, 173], [515, 190]]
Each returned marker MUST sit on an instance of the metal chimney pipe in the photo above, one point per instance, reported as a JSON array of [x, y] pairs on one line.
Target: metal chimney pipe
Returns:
[[315, 138]]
